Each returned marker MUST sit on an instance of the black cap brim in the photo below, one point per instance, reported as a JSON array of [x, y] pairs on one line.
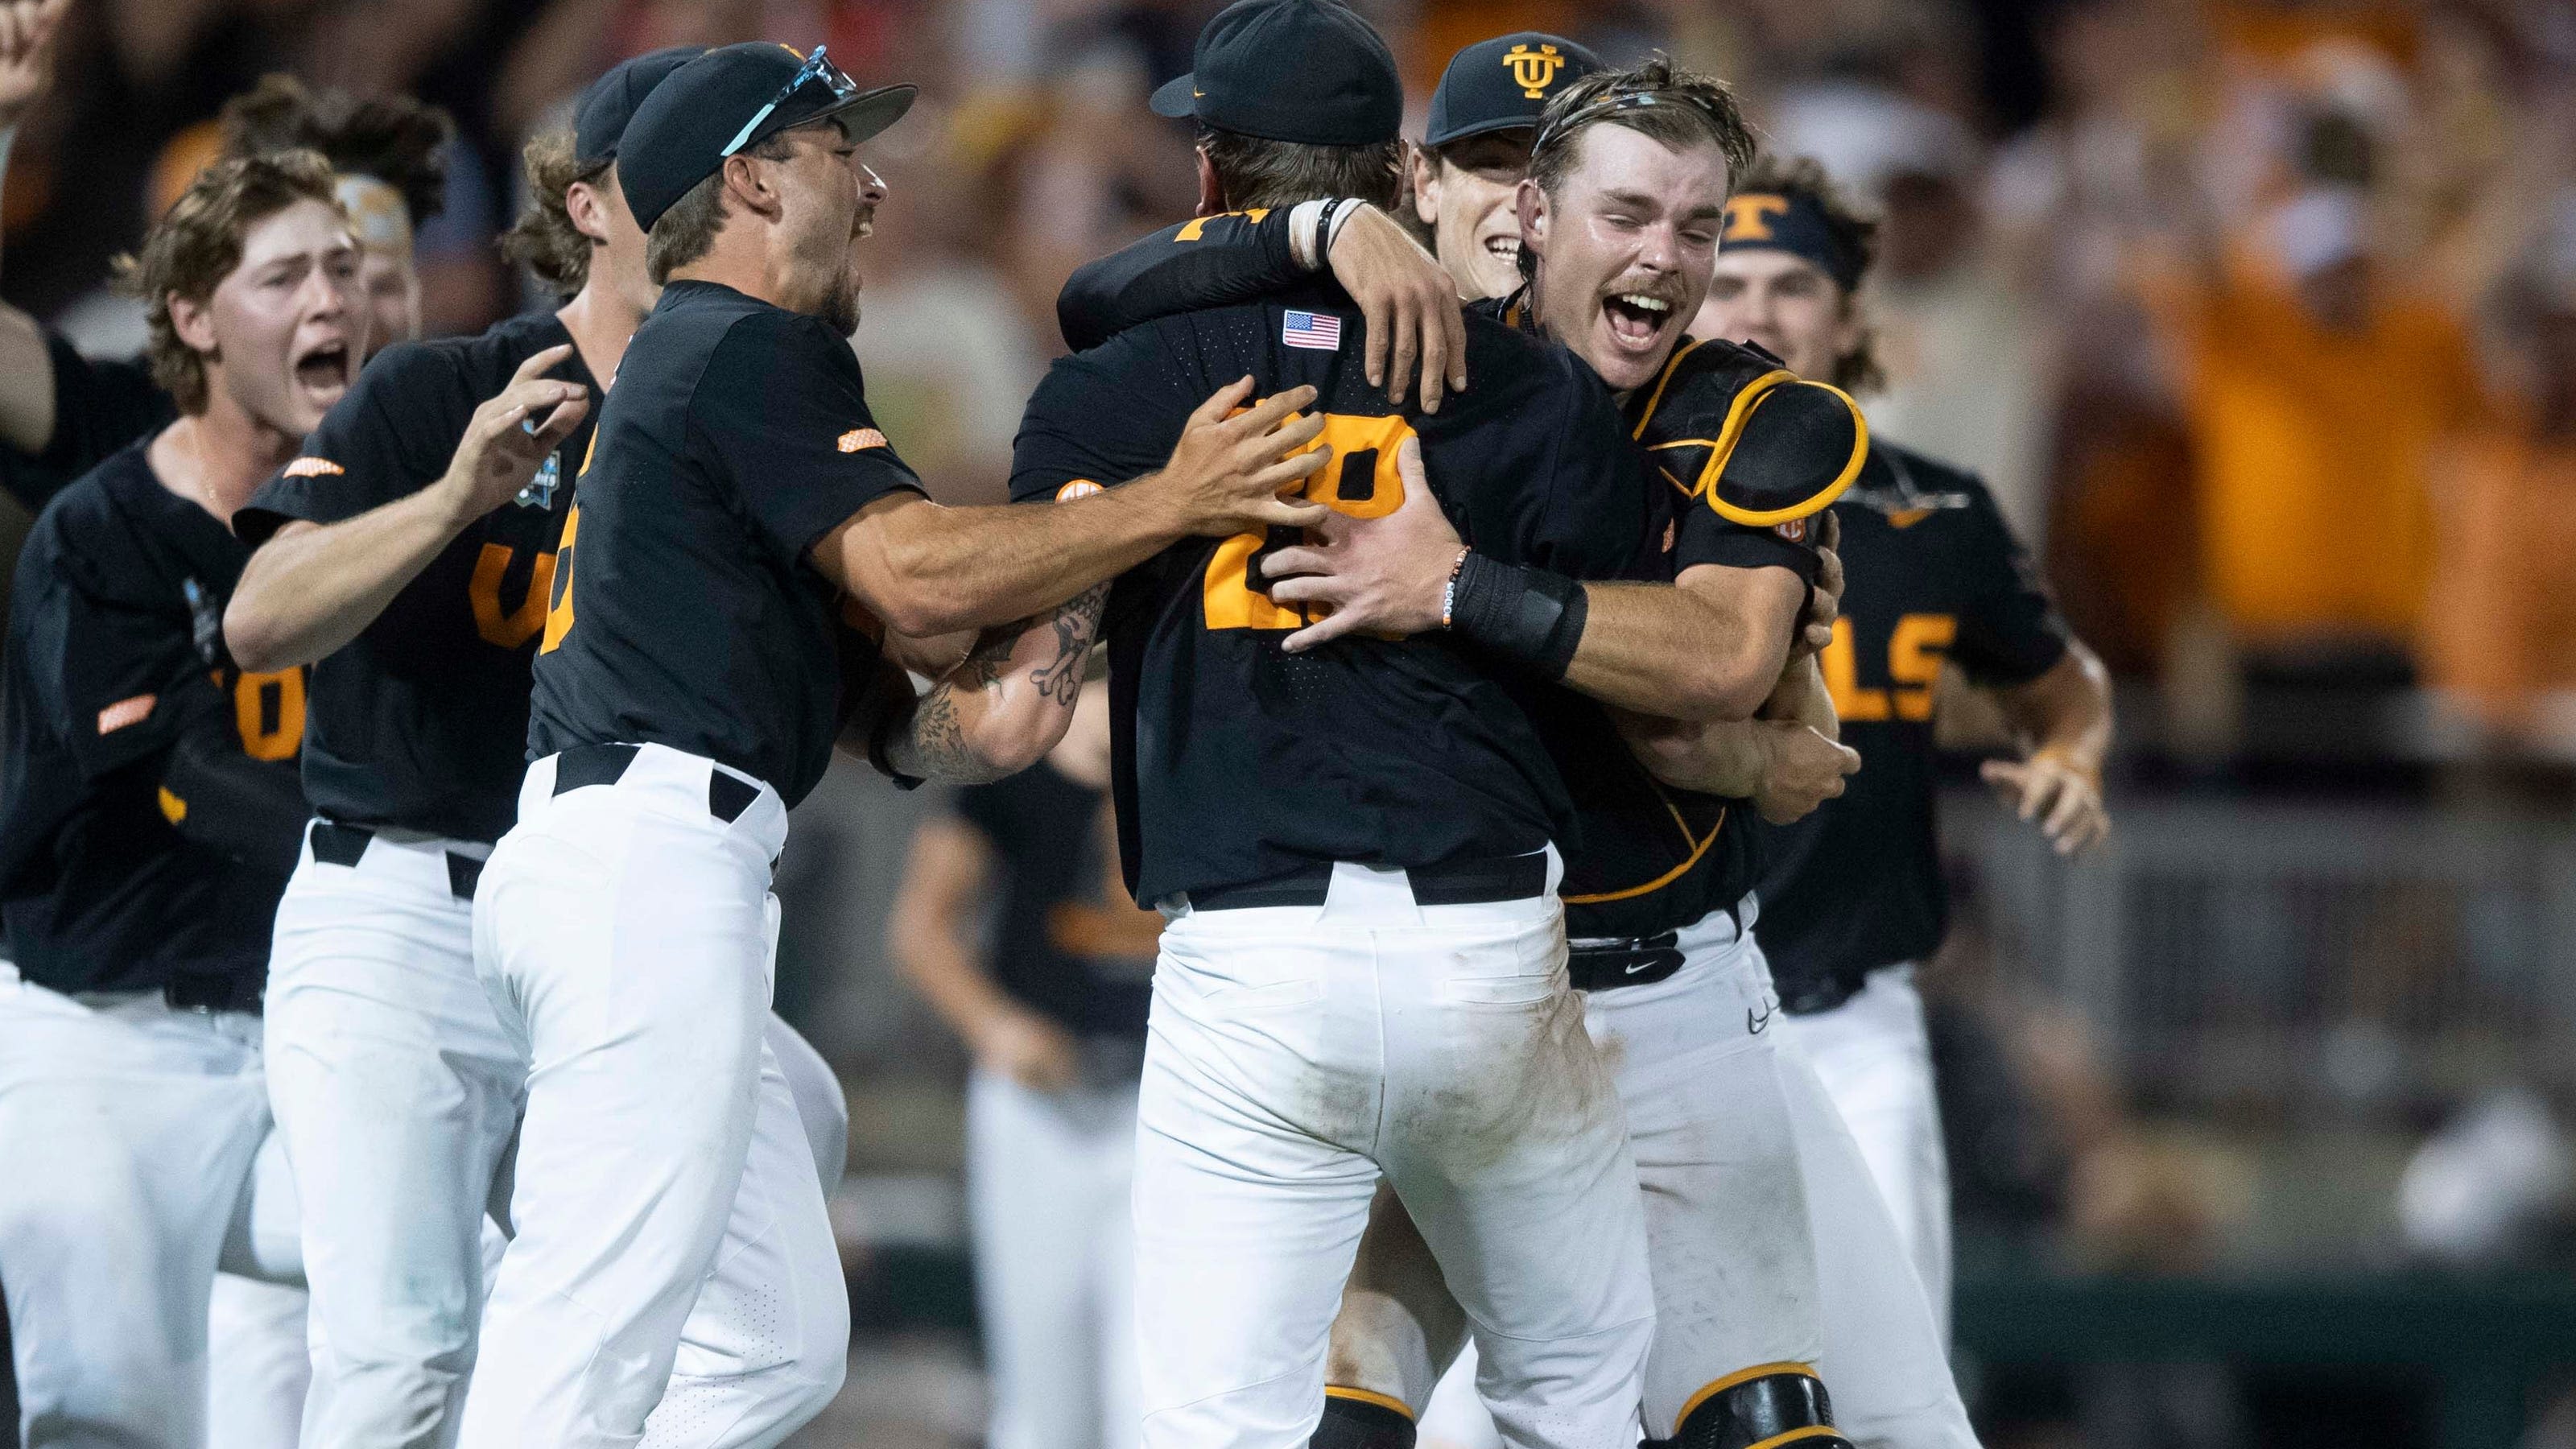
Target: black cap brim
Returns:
[[1483, 128], [869, 112], [1177, 98]]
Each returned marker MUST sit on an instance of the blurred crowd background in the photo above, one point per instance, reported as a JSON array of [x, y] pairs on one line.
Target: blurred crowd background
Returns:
[[2260, 318]]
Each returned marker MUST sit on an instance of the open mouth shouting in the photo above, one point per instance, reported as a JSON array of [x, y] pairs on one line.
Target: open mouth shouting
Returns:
[[1636, 318], [323, 371]]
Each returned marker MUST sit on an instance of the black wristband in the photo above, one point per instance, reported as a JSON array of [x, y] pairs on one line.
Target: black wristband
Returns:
[[1527, 615]]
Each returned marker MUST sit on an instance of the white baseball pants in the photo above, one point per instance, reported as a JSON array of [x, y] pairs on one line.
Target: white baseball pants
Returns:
[[1048, 1177], [131, 1130], [1875, 1060], [1727, 1237], [395, 1084], [1863, 1320], [1294, 1054], [624, 933], [396, 1092]]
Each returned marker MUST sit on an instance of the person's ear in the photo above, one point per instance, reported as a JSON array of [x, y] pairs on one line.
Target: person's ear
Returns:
[[1211, 190], [748, 184], [1426, 186], [194, 322], [588, 210], [1529, 202]]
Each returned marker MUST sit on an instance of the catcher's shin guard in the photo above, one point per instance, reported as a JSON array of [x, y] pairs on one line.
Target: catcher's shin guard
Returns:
[[1357, 1419], [1768, 1406]]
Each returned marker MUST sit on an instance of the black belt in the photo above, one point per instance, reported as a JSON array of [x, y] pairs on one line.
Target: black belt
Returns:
[[582, 765], [1604, 965], [214, 993], [1454, 883], [338, 844]]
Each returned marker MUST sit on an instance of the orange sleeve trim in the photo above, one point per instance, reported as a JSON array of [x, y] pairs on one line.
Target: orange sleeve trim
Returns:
[[1811, 1431], [1364, 1396], [1746, 1376]]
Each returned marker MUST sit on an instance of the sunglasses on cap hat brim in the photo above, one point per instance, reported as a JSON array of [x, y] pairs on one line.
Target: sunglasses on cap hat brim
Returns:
[[859, 113]]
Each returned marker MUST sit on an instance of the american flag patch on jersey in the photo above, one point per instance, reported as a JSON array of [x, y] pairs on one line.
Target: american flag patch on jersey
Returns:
[[1317, 330]]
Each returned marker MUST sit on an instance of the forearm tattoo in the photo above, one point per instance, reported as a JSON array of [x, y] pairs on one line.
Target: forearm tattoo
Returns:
[[937, 745]]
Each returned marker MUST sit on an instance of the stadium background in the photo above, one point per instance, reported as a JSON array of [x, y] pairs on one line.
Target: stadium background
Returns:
[[2259, 1117]]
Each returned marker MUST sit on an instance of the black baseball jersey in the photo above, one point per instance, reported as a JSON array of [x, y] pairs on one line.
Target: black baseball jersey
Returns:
[[1656, 858], [685, 611], [1646, 858], [99, 407], [1067, 943], [421, 722], [1236, 762], [1933, 573], [119, 596]]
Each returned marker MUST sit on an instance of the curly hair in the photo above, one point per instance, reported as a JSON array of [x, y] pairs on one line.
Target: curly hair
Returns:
[[198, 242], [395, 139], [1854, 224], [543, 238]]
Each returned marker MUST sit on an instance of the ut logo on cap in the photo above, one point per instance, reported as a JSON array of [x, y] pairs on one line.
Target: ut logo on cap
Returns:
[[1748, 217], [1535, 70]]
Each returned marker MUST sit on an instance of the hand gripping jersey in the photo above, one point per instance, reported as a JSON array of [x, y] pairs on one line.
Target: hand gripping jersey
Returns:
[[1934, 574], [685, 609], [421, 722], [1747, 451], [1748, 455], [115, 667], [1236, 762]]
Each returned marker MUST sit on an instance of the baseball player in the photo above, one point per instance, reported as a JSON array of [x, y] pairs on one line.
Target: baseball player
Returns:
[[1398, 1326], [1853, 897], [61, 413], [1057, 1026], [688, 689], [1205, 1111], [406, 554], [149, 823]]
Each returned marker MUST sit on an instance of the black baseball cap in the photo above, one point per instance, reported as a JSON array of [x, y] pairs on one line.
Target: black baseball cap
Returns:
[[731, 99], [1502, 84], [599, 117], [1291, 70]]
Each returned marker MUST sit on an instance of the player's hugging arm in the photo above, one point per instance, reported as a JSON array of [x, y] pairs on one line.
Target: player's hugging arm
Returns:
[[1787, 762], [1408, 302], [998, 711], [927, 569]]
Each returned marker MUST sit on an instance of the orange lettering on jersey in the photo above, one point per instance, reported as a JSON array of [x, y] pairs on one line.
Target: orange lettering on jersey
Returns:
[[268, 713], [559, 599], [1842, 680], [173, 809], [1197, 227], [1915, 652], [1362, 482], [126, 712], [1914, 655], [313, 468], [516, 626], [857, 438]]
